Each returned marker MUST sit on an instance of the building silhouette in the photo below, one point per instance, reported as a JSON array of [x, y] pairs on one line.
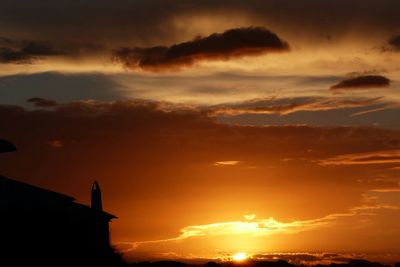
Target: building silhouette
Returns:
[[39, 226]]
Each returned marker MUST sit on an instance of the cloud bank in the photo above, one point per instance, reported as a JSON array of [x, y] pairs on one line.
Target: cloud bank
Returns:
[[25, 52]]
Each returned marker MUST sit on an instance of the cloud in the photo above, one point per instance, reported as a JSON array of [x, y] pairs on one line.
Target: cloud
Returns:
[[143, 117], [226, 163], [129, 24], [25, 52], [386, 190], [265, 227], [249, 217], [41, 102], [159, 20], [233, 43], [55, 143], [79, 122], [286, 106], [394, 42], [58, 87], [363, 112], [360, 82], [374, 157], [324, 258], [254, 228]]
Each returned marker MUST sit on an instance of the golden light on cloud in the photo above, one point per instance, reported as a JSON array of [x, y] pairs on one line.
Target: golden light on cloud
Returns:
[[249, 217], [374, 157], [242, 229], [226, 163], [239, 238]]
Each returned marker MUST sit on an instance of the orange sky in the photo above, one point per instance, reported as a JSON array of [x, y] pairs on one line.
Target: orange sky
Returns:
[[213, 128], [180, 182]]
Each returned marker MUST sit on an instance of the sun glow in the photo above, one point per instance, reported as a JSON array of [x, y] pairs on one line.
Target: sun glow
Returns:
[[240, 256]]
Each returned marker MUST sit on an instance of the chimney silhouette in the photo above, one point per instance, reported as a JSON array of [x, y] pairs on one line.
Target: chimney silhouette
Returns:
[[96, 197]]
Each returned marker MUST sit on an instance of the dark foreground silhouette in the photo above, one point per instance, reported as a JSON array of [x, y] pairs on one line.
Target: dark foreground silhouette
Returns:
[[39, 227], [255, 263]]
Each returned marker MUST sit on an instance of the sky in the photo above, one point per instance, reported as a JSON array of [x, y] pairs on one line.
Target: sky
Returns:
[[213, 127]]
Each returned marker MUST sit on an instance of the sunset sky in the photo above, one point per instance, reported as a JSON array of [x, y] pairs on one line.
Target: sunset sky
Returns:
[[213, 127]]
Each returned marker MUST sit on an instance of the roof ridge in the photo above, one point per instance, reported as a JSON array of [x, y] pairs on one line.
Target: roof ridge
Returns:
[[38, 188]]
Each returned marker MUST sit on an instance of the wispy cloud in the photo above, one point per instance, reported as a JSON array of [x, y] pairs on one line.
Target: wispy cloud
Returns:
[[368, 111], [226, 163], [386, 190], [56, 143], [265, 227], [374, 157], [254, 228], [288, 106]]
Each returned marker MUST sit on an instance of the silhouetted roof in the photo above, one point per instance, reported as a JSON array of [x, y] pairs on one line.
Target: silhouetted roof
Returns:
[[31, 191], [10, 183]]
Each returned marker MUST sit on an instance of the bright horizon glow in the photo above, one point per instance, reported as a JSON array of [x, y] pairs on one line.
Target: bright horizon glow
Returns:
[[240, 256]]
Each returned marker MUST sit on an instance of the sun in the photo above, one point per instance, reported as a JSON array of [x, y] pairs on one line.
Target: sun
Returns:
[[240, 256]]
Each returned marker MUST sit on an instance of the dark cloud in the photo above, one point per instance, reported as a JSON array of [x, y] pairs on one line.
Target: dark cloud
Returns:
[[144, 24], [368, 81], [41, 102], [155, 21], [394, 42], [5, 41], [232, 43], [25, 52]]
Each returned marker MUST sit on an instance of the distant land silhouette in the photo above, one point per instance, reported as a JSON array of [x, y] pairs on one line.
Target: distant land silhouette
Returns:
[[255, 263]]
